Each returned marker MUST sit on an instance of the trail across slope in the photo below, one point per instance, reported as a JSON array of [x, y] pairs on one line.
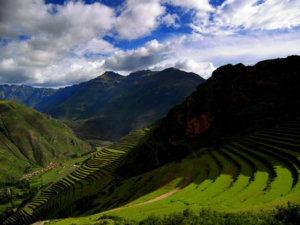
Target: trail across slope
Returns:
[[186, 182]]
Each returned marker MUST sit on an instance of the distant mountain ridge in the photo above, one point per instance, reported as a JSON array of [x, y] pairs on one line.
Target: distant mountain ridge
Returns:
[[25, 95], [111, 105]]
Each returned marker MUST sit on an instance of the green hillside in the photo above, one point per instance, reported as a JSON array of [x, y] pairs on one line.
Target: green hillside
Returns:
[[86, 181], [257, 171], [238, 180], [29, 139]]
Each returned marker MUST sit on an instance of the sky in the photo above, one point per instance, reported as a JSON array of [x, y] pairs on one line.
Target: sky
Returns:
[[55, 43]]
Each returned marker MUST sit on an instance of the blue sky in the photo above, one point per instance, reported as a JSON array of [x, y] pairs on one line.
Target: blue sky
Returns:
[[57, 43]]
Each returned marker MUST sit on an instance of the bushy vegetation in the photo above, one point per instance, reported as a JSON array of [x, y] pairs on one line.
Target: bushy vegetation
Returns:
[[283, 215]]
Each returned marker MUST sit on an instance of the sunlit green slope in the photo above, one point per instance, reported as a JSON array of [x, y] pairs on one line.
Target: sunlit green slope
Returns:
[[29, 138]]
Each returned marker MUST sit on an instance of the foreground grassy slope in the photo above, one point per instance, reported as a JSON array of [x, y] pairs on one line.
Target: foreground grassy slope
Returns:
[[283, 215], [257, 171], [29, 138], [246, 174], [249, 173]]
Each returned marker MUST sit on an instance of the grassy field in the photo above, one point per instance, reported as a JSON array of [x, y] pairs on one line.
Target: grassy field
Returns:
[[251, 173]]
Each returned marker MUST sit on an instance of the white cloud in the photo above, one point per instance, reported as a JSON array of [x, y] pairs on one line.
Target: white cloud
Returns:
[[204, 69], [56, 39], [202, 5], [70, 71], [139, 18], [268, 15], [247, 49], [52, 38], [234, 16], [138, 59], [170, 20], [95, 46]]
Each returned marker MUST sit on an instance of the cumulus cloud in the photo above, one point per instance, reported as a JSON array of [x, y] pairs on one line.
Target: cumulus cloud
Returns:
[[202, 5], [254, 14], [236, 15], [171, 20], [204, 69], [49, 45], [141, 58], [9, 73], [159, 56], [52, 33], [139, 18], [94, 46], [237, 48], [70, 71]]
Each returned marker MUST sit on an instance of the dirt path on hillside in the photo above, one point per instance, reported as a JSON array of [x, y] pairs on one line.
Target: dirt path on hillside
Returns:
[[186, 182], [41, 222]]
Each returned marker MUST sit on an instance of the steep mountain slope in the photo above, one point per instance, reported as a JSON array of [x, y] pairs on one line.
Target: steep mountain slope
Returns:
[[111, 105], [29, 138], [236, 100], [25, 95]]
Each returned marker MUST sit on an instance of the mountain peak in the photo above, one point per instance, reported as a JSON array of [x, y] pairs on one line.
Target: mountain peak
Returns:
[[107, 76], [171, 69], [140, 73], [111, 75]]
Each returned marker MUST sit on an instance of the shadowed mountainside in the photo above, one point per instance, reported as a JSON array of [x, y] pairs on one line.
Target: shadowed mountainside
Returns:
[[111, 105], [235, 101]]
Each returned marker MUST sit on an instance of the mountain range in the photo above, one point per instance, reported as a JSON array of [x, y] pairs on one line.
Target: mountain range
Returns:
[[25, 95], [111, 105]]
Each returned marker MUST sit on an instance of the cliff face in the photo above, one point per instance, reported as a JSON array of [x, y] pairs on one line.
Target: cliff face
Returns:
[[235, 101]]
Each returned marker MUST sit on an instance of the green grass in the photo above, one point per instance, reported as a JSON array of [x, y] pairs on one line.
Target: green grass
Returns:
[[251, 173], [29, 139], [281, 215], [84, 181], [250, 178]]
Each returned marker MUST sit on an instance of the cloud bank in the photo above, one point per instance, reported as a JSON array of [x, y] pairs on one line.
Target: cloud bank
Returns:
[[56, 45]]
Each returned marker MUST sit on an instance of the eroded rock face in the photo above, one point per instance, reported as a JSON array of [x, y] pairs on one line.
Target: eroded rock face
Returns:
[[197, 126]]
